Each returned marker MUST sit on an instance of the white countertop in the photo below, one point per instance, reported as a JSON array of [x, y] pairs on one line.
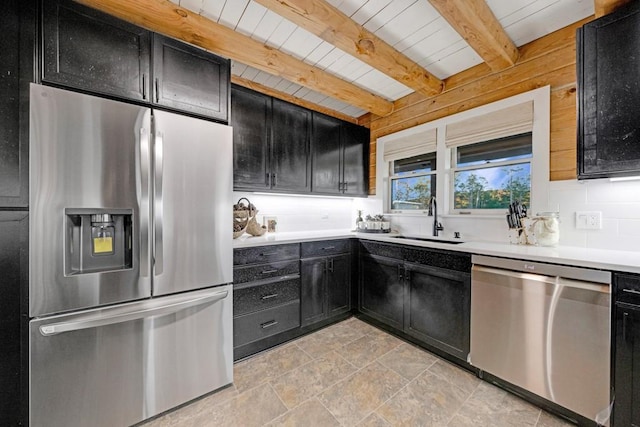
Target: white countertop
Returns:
[[626, 261]]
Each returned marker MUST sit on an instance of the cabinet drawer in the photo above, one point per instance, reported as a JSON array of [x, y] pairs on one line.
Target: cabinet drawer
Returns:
[[262, 324], [265, 271], [326, 247], [265, 254], [627, 288], [254, 298]]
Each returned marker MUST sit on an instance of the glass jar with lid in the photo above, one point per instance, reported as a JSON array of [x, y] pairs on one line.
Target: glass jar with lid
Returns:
[[546, 228]]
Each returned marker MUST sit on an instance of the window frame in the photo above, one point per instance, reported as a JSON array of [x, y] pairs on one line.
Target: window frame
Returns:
[[539, 160], [392, 176]]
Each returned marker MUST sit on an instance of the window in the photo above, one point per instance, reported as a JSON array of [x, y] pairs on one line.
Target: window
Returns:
[[413, 182], [492, 174], [476, 162]]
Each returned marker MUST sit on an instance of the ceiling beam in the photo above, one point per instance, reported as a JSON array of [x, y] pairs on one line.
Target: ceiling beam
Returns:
[[169, 19], [325, 21], [476, 23], [250, 84], [605, 7]]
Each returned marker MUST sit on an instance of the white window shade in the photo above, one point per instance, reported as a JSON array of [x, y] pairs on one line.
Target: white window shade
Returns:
[[410, 146], [498, 124]]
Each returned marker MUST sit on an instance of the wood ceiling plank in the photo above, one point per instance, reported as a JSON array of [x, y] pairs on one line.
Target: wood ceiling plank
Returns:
[[476, 23], [330, 24], [605, 7], [250, 84], [169, 19]]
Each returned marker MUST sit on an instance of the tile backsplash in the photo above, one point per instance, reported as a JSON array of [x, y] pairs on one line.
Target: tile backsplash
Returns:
[[619, 203]]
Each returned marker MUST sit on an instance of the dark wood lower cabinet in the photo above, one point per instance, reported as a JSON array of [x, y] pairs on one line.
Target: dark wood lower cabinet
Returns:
[[14, 229], [438, 307], [382, 290], [431, 304], [626, 410], [326, 288]]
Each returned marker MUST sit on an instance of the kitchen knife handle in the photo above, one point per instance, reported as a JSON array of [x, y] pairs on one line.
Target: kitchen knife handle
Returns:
[[158, 254]]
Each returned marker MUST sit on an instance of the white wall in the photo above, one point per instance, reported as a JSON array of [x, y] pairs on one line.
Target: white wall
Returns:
[[303, 213], [619, 203]]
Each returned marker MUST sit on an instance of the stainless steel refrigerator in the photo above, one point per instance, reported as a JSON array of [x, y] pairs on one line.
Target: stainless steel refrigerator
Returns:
[[130, 260]]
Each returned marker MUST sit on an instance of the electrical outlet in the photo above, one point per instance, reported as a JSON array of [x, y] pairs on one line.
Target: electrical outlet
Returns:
[[589, 220]]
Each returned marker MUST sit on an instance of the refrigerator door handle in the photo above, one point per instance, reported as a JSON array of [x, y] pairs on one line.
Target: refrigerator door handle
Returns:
[[145, 263], [93, 321], [158, 206]]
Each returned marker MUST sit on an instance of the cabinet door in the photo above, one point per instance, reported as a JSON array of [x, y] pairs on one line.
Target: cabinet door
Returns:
[[626, 411], [382, 289], [14, 227], [250, 118], [339, 285], [14, 141], [190, 79], [326, 153], [90, 50], [355, 146], [608, 95], [313, 289], [438, 307], [290, 147]]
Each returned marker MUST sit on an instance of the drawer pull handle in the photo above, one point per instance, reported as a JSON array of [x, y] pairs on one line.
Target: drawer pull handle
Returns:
[[268, 253], [328, 248], [269, 271], [631, 291], [269, 324], [268, 296]]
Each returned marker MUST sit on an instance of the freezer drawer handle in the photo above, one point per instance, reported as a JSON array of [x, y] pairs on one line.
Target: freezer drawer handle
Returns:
[[96, 322], [269, 271], [631, 291], [269, 324]]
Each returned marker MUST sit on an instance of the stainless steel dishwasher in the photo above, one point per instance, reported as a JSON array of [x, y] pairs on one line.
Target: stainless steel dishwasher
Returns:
[[544, 328]]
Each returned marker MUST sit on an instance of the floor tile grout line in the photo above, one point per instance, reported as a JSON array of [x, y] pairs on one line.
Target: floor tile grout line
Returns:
[[539, 416], [463, 403]]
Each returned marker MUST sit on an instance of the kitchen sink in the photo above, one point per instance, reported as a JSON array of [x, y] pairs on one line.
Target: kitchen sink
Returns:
[[427, 239]]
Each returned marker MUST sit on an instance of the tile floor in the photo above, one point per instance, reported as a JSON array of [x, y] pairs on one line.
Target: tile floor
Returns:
[[353, 374]]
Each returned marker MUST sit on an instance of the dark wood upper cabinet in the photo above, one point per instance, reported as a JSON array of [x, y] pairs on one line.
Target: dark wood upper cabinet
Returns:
[[190, 79], [326, 152], [251, 122], [608, 69], [92, 51], [282, 147], [355, 159], [16, 62], [340, 153], [290, 132]]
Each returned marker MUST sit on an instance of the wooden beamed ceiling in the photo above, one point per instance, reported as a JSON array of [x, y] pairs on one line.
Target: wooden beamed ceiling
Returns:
[[476, 23], [472, 19], [325, 21]]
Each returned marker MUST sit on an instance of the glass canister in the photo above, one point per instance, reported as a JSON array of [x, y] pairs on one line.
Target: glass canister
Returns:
[[546, 228]]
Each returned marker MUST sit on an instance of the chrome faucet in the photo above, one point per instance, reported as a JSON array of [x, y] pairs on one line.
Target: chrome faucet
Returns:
[[433, 211]]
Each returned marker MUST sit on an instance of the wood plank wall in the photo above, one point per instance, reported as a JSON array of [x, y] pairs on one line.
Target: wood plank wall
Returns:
[[550, 60]]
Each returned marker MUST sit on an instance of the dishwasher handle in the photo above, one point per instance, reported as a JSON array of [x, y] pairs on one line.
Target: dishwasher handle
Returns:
[[97, 321], [569, 283]]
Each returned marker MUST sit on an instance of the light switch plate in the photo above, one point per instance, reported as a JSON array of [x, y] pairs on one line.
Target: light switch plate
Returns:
[[589, 220]]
